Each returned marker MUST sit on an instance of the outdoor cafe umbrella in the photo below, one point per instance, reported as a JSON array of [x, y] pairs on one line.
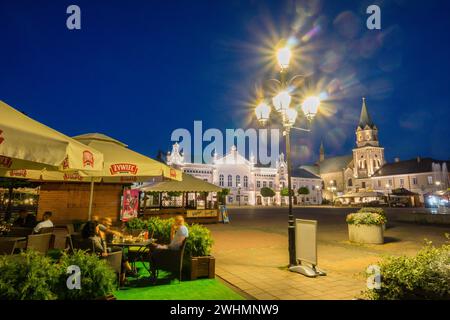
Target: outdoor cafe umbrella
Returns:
[[123, 165], [28, 144]]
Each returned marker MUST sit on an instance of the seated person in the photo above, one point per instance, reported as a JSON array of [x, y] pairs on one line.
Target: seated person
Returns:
[[178, 233], [45, 223], [105, 227], [91, 230]]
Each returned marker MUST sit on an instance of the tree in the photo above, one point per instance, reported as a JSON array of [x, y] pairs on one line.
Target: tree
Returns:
[[284, 192], [303, 191], [223, 195], [267, 192]]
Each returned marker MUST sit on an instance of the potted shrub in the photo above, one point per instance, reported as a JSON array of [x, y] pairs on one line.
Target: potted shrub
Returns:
[[375, 210], [98, 280], [135, 226], [366, 227], [28, 276], [420, 277], [198, 249]]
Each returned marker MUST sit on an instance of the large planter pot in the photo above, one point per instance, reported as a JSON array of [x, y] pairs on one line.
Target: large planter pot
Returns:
[[203, 267], [370, 234]]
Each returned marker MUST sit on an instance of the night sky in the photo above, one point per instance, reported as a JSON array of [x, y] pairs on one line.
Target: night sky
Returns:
[[137, 70]]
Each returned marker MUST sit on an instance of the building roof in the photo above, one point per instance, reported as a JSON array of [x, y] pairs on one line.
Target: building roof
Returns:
[[417, 165], [303, 173], [334, 164], [188, 184], [364, 118], [314, 169]]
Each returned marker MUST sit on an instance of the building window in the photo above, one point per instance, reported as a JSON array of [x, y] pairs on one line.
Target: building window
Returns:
[[414, 181], [221, 180], [350, 183], [245, 182], [402, 182], [363, 185], [230, 199], [430, 180], [230, 180], [270, 184], [379, 183], [238, 180], [245, 198], [390, 183], [264, 184], [258, 184]]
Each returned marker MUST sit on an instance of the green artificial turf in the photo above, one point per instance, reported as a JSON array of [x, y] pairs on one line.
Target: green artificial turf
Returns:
[[166, 289]]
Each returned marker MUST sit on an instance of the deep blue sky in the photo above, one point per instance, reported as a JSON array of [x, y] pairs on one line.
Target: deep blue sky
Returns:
[[140, 69]]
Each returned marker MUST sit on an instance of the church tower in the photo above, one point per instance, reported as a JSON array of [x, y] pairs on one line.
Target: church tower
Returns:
[[368, 156], [322, 152]]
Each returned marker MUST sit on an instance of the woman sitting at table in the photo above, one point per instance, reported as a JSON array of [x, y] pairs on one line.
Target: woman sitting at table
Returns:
[[178, 233], [92, 232]]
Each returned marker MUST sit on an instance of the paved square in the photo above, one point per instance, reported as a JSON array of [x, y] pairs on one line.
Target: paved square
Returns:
[[252, 253]]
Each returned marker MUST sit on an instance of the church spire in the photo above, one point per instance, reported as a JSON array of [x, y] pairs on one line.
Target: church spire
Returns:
[[365, 119], [322, 152]]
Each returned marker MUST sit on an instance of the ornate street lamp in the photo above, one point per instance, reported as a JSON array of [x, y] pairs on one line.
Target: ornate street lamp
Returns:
[[281, 102]]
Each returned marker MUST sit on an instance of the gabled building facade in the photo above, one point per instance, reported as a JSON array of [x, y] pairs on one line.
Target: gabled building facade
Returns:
[[245, 178]]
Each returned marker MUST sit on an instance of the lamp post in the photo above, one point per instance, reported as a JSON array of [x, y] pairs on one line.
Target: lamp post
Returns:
[[281, 103], [388, 187]]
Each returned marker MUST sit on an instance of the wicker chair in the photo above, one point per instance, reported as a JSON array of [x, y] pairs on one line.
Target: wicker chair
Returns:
[[114, 260], [61, 234], [40, 242], [46, 230], [167, 260]]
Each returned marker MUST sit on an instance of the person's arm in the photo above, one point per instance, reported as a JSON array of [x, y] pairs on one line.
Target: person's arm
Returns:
[[37, 228]]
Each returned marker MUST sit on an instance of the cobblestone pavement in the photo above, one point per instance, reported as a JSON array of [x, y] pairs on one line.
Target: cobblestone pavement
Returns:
[[252, 254]]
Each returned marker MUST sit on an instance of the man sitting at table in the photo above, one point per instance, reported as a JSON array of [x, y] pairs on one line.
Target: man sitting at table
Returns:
[[25, 220], [45, 223]]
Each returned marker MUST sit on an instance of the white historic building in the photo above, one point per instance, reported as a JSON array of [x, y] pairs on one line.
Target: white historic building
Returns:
[[245, 178]]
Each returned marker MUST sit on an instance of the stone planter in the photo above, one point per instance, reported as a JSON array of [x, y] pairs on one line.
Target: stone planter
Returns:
[[370, 234], [203, 267]]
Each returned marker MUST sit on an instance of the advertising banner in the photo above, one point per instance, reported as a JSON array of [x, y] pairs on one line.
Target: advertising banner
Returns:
[[130, 204]]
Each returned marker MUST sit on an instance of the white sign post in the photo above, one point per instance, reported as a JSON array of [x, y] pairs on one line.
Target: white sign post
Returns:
[[306, 248]]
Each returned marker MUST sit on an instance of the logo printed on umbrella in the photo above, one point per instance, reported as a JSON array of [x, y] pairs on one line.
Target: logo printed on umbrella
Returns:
[[5, 162], [73, 176], [123, 168], [88, 159], [1, 138], [66, 163], [18, 173], [173, 173]]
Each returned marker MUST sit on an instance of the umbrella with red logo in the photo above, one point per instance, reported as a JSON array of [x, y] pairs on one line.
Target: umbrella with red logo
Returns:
[[26, 144]]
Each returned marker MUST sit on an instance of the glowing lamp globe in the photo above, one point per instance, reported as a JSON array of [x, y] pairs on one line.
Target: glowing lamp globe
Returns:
[[281, 101], [284, 57], [291, 116], [262, 112], [310, 107]]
